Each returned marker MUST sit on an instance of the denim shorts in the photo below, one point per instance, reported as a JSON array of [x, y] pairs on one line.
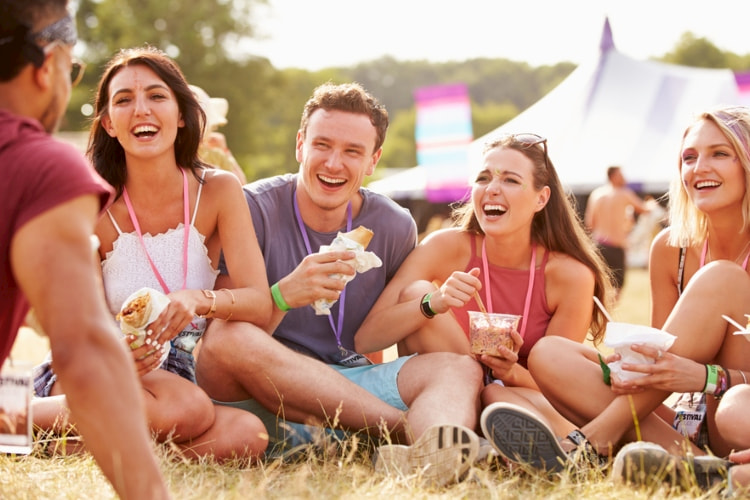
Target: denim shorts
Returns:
[[380, 380], [178, 362]]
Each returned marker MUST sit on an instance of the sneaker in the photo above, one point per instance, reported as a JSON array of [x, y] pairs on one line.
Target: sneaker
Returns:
[[521, 437], [441, 455], [643, 463]]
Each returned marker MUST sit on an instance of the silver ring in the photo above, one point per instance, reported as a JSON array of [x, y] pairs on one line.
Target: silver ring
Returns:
[[660, 354]]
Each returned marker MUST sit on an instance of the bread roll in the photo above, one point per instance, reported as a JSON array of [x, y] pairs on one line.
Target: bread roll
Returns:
[[361, 235]]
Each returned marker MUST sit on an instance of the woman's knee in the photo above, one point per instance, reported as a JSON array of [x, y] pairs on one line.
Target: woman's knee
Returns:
[[720, 277], [460, 367], [247, 436], [177, 407], [731, 415], [545, 351]]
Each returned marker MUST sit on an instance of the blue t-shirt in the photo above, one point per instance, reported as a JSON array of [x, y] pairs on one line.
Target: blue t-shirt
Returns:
[[395, 235]]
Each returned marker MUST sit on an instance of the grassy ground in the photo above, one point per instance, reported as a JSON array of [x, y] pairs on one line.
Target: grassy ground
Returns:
[[343, 472]]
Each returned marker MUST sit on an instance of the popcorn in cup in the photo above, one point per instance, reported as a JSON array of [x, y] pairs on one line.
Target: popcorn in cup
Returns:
[[489, 331], [620, 336]]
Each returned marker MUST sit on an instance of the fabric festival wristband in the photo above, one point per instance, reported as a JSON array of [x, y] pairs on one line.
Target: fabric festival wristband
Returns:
[[278, 298], [712, 377]]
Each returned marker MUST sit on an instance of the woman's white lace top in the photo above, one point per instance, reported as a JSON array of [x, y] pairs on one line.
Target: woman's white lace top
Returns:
[[126, 268]]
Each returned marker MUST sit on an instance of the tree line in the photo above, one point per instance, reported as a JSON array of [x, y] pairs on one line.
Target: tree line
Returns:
[[265, 103]]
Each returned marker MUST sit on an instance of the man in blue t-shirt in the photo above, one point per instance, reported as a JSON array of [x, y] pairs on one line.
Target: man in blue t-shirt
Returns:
[[435, 395]]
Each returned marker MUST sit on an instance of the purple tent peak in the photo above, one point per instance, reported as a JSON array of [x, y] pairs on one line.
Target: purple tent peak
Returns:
[[606, 43]]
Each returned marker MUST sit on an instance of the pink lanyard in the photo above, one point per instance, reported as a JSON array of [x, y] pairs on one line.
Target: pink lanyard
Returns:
[[705, 252], [134, 220], [529, 290]]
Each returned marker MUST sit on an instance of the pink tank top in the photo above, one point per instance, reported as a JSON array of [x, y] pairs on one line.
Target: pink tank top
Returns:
[[508, 296]]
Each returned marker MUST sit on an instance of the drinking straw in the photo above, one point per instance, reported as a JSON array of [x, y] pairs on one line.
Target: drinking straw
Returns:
[[601, 307], [479, 302], [630, 396]]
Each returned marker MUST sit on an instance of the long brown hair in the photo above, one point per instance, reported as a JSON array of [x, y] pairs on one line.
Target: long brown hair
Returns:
[[557, 227], [105, 151]]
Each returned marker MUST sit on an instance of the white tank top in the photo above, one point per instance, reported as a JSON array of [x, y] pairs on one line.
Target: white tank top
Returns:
[[126, 268]]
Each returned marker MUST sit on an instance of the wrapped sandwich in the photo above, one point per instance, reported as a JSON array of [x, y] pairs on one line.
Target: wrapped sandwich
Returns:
[[138, 311], [355, 241]]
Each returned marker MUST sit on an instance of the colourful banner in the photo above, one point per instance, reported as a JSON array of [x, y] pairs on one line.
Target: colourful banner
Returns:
[[743, 87], [443, 134]]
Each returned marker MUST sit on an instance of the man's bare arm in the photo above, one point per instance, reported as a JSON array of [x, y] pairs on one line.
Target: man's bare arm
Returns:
[[53, 262]]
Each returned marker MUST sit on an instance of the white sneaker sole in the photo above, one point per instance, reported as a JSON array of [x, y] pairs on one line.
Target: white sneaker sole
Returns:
[[441, 455]]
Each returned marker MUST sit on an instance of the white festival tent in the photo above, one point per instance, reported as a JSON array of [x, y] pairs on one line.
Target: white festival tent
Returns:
[[613, 110]]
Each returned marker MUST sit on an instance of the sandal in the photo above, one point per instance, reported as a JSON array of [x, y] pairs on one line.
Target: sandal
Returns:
[[585, 450]]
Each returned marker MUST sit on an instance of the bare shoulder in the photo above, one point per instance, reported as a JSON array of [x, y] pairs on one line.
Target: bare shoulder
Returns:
[[564, 269], [451, 235], [218, 180], [660, 243], [444, 249], [663, 255]]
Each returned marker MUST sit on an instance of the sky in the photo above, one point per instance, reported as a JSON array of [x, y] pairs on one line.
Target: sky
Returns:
[[316, 34]]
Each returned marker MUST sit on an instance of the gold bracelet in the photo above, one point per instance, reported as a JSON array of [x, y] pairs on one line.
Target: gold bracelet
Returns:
[[211, 310], [231, 307]]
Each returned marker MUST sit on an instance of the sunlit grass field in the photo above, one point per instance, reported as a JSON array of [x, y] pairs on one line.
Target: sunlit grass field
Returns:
[[344, 471]]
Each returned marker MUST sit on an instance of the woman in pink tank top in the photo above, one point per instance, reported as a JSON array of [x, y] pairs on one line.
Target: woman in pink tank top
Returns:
[[521, 249]]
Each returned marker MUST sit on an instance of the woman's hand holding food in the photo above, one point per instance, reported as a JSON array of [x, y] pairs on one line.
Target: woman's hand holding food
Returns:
[[669, 372], [502, 364]]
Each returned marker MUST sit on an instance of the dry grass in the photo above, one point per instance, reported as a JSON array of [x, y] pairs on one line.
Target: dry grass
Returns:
[[342, 472]]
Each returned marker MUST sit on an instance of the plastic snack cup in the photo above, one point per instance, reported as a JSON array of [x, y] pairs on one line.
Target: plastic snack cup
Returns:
[[489, 331]]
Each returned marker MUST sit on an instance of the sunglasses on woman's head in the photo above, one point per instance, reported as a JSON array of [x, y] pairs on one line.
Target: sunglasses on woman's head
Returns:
[[529, 140]]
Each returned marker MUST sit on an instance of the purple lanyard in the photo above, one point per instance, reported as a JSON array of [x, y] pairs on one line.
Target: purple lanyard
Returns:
[[337, 329], [529, 289], [186, 209]]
